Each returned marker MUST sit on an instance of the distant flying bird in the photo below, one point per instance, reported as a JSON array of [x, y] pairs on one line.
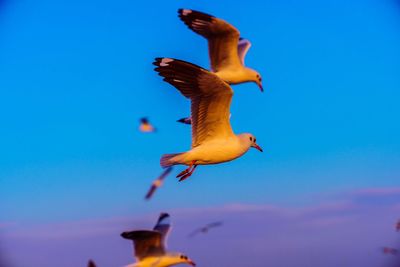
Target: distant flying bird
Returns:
[[187, 120], [226, 49], [157, 183], [213, 140], [391, 251], [91, 264], [398, 226], [205, 228], [149, 246], [145, 126]]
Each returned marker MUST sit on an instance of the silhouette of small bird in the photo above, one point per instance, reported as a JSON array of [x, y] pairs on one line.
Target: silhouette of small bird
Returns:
[[205, 228], [157, 183], [145, 126]]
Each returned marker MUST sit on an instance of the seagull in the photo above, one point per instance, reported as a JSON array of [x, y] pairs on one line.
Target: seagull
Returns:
[[157, 183], [145, 126], [205, 228], [226, 49], [150, 246], [213, 140], [91, 264]]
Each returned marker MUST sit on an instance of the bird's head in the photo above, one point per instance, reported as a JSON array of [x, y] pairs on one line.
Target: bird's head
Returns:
[[183, 259], [256, 78], [250, 140]]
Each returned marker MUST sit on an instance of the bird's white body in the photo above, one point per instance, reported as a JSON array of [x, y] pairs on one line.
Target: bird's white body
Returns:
[[237, 74], [162, 261], [214, 151]]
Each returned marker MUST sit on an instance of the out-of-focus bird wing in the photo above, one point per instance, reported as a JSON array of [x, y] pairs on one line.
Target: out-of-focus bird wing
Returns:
[[146, 243]]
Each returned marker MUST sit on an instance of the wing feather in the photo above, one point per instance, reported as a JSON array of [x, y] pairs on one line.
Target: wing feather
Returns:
[[210, 98], [146, 243], [243, 46], [163, 226], [222, 37]]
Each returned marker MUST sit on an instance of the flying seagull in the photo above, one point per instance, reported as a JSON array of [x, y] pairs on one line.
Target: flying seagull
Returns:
[[157, 183], [145, 126], [226, 49], [213, 140], [149, 246], [205, 228]]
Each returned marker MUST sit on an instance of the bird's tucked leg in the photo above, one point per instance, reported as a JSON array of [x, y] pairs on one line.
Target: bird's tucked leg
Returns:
[[187, 172]]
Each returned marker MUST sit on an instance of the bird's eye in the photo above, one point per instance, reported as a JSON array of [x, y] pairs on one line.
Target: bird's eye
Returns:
[[255, 140], [251, 138]]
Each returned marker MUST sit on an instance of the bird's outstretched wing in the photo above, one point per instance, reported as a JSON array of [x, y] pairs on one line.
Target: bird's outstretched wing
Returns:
[[243, 46], [214, 224], [163, 226], [222, 37], [146, 243], [210, 98], [157, 183]]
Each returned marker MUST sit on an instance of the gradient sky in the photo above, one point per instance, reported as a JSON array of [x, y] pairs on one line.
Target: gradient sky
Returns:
[[75, 77]]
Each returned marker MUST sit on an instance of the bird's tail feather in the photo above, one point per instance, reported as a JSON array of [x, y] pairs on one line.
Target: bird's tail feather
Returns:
[[168, 160]]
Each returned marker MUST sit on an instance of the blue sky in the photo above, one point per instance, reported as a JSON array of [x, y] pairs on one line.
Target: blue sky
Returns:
[[75, 77]]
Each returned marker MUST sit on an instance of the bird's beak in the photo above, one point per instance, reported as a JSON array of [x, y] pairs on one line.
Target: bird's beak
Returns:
[[260, 85], [191, 263], [258, 147]]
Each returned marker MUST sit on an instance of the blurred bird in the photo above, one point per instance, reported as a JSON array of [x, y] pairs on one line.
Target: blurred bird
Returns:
[[150, 246], [398, 226], [213, 140], [391, 251], [157, 183], [91, 264], [145, 126], [205, 228], [226, 49]]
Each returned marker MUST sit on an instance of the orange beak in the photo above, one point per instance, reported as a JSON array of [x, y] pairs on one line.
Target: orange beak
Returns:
[[258, 147]]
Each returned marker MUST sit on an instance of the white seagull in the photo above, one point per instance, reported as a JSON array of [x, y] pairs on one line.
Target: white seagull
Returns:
[[226, 49], [213, 140], [150, 246]]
